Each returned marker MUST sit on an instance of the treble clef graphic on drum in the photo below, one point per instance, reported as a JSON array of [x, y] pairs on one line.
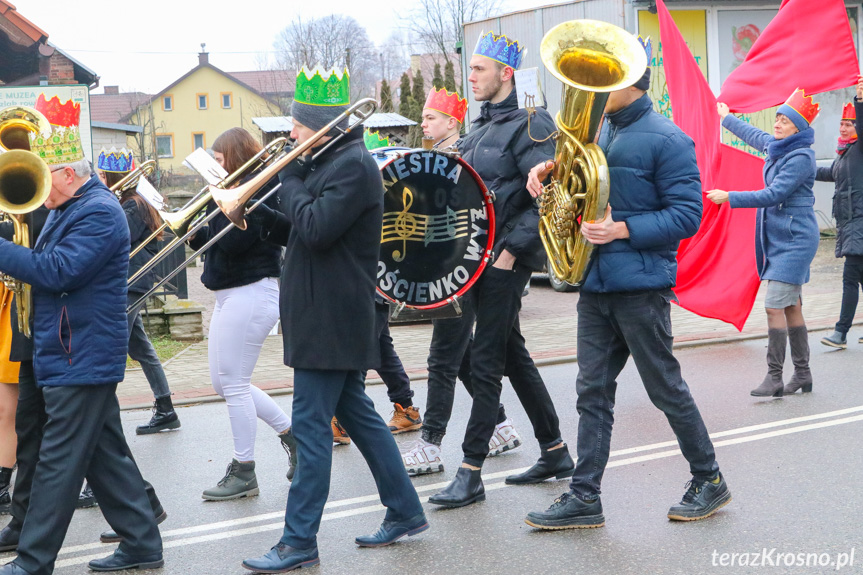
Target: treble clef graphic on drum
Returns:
[[406, 224]]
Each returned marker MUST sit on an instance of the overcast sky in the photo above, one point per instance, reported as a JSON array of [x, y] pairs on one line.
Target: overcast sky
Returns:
[[146, 45]]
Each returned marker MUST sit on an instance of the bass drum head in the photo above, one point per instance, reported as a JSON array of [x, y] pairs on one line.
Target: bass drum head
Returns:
[[438, 228]]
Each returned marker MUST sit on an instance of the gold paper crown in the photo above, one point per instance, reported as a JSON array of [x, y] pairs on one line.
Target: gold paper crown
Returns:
[[61, 146]]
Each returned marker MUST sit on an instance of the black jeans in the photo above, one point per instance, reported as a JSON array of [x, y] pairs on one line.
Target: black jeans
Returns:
[[449, 356], [318, 395], [610, 328], [852, 279], [392, 371], [499, 350], [82, 438]]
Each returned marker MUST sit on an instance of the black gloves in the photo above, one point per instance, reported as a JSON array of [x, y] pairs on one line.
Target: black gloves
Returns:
[[263, 216], [296, 169]]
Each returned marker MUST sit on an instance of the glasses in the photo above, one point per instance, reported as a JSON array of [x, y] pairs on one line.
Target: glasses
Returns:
[[58, 169]]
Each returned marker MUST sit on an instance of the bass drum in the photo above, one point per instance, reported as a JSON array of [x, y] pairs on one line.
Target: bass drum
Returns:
[[438, 228]]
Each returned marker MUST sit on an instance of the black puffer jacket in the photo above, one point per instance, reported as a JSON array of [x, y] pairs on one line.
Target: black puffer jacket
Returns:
[[847, 173], [499, 148], [138, 232]]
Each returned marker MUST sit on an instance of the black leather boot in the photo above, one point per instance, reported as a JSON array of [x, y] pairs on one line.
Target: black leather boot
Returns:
[[798, 338], [464, 489], [9, 536], [552, 463], [777, 341], [164, 417], [5, 496]]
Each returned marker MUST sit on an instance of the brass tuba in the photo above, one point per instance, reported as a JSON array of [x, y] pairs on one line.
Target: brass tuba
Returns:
[[25, 182], [591, 58]]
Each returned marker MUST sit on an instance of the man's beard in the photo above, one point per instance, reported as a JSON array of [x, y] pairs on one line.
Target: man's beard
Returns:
[[491, 91]]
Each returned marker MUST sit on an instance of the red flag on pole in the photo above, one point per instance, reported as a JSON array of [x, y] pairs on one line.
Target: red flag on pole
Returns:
[[807, 45]]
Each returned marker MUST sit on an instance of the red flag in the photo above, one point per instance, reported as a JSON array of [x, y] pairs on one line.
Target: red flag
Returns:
[[807, 45], [716, 275]]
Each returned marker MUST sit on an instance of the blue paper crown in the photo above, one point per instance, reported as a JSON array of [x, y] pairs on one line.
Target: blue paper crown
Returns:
[[648, 48], [500, 49], [115, 161]]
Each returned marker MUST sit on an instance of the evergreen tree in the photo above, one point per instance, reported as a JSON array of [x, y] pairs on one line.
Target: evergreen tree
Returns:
[[437, 81], [449, 77], [419, 92], [386, 97], [405, 88]]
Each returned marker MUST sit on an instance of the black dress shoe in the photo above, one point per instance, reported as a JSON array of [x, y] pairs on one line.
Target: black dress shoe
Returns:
[[111, 536], [12, 569], [120, 560], [552, 463], [9, 538], [464, 489], [283, 558], [391, 531]]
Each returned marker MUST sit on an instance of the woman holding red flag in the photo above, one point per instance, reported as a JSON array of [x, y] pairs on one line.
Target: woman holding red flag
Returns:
[[786, 232]]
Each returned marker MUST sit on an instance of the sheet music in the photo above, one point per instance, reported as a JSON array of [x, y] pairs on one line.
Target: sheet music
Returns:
[[150, 194], [528, 88], [204, 164]]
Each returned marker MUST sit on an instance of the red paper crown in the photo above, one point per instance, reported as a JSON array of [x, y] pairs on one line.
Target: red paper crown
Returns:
[[66, 115], [446, 103], [803, 105], [849, 113]]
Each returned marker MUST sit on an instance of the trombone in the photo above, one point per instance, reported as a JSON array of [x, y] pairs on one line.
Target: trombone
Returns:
[[180, 221], [233, 202], [130, 180]]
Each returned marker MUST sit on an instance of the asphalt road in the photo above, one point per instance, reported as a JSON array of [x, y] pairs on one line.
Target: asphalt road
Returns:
[[792, 466]]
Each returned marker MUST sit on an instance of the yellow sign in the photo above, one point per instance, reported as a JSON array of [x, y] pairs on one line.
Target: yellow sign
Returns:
[[693, 27]]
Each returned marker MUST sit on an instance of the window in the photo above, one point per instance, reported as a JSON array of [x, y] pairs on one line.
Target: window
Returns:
[[202, 101], [165, 145], [167, 102], [198, 141], [227, 100]]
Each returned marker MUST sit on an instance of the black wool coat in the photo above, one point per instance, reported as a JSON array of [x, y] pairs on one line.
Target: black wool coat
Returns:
[[333, 210]]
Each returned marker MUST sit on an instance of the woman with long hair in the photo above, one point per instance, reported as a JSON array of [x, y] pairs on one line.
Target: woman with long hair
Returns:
[[242, 270], [786, 232]]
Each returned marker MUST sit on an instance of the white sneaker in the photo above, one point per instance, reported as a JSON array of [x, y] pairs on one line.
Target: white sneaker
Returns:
[[504, 438], [422, 458]]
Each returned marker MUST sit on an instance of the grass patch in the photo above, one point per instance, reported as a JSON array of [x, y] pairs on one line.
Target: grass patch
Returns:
[[165, 347]]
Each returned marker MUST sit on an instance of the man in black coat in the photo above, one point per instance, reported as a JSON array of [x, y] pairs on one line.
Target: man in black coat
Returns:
[[502, 151], [330, 219]]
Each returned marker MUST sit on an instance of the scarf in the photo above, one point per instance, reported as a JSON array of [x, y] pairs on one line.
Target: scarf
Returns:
[[843, 144], [778, 148]]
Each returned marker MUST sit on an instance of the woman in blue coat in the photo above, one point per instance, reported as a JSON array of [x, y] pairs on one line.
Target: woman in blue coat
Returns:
[[786, 232]]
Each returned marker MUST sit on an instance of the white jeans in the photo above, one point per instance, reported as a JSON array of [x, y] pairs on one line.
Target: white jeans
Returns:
[[242, 319]]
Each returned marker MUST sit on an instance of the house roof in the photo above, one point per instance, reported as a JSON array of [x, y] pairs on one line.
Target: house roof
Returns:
[[274, 124], [8, 10], [268, 81], [112, 108], [128, 128]]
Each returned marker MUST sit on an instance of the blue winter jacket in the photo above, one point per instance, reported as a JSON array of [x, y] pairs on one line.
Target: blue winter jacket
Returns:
[[656, 190], [786, 232], [77, 271]]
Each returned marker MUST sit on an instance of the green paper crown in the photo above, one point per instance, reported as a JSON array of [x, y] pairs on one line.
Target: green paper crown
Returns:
[[374, 140], [61, 146], [318, 90]]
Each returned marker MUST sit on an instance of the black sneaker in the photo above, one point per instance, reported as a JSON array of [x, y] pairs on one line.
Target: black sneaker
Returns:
[[701, 500], [86, 499], [568, 512]]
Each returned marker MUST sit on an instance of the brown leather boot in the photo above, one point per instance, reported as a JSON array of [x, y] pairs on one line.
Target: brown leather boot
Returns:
[[405, 419]]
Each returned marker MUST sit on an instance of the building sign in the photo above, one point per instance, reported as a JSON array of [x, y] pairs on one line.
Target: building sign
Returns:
[[27, 95], [693, 27]]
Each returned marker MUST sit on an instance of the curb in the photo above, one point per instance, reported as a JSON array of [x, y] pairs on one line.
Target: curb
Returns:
[[541, 362]]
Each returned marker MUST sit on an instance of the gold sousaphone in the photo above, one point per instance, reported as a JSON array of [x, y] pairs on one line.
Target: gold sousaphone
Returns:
[[591, 58], [25, 182]]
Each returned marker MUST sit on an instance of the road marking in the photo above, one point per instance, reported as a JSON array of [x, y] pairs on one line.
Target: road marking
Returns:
[[182, 541]]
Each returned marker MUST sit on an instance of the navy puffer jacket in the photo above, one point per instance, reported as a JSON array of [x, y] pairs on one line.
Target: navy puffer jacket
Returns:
[[77, 271], [656, 190]]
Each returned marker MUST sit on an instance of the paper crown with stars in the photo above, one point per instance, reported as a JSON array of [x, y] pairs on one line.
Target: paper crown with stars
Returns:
[[374, 140], [500, 49], [63, 144], [117, 161], [800, 109], [446, 103], [323, 87], [849, 113]]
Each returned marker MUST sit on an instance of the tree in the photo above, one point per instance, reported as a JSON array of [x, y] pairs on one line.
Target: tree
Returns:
[[331, 41], [437, 24], [449, 77], [437, 80], [405, 95], [386, 97], [419, 91]]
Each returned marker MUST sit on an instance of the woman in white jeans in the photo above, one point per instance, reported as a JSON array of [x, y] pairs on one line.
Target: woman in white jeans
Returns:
[[242, 270]]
